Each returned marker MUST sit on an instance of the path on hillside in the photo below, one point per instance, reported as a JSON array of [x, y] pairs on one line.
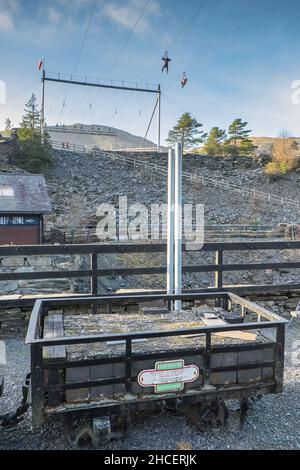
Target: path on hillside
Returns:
[[251, 193]]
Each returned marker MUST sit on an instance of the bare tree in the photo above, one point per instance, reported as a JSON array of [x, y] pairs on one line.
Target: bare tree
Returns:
[[285, 155]]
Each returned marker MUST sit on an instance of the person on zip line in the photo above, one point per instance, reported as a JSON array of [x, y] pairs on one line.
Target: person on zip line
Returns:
[[184, 80], [166, 62]]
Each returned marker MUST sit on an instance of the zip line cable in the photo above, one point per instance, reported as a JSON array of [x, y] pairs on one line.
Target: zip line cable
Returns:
[[182, 31], [211, 45], [81, 49], [124, 46], [85, 35], [216, 40], [129, 36]]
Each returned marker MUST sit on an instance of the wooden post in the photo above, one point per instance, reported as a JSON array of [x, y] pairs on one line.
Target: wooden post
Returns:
[[94, 278], [243, 313], [42, 236], [279, 369], [219, 275]]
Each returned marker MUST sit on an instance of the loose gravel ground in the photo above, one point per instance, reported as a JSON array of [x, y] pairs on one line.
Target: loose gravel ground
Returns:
[[273, 423]]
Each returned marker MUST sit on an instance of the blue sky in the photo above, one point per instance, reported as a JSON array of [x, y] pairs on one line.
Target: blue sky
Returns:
[[241, 57]]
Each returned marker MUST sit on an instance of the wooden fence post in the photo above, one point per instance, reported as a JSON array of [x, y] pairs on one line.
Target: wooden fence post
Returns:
[[280, 345], [94, 278], [219, 274]]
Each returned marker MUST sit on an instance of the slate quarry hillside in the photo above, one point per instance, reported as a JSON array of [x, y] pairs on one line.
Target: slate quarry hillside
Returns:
[[78, 184]]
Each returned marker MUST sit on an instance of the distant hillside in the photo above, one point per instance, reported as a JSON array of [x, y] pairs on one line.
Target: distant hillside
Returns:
[[265, 144], [107, 138]]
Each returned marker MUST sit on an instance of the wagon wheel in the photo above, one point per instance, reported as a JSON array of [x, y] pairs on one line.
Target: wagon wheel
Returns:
[[237, 411], [75, 430], [206, 415]]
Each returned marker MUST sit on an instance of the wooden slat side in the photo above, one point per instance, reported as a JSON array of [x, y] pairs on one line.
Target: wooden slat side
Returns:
[[53, 328], [229, 334]]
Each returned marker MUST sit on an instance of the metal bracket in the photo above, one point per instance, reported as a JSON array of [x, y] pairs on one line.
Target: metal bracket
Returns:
[[98, 430], [101, 431], [294, 316]]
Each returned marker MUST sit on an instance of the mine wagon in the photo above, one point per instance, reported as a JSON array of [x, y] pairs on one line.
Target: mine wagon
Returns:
[[102, 359]]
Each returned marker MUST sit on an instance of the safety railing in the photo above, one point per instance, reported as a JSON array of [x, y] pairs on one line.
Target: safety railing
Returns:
[[95, 271]]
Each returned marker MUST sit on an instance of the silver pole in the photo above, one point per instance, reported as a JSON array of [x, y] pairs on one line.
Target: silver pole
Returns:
[[178, 225], [159, 119], [43, 108], [170, 232]]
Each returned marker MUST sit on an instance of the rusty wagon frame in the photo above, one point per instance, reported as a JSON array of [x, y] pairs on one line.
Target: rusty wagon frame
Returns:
[[48, 397]]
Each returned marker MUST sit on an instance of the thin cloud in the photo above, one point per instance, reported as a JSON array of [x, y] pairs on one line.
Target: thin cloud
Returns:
[[125, 15], [54, 16], [74, 4], [6, 22], [7, 10]]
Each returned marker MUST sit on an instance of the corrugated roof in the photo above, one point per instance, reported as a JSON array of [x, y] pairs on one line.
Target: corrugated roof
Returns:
[[30, 194]]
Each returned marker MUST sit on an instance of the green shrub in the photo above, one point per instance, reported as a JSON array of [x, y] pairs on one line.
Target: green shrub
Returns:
[[34, 156]]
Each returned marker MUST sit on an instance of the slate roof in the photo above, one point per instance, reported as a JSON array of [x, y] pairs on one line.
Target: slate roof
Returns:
[[30, 195]]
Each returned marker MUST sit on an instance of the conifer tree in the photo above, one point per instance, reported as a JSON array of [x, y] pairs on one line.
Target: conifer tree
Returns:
[[187, 132]]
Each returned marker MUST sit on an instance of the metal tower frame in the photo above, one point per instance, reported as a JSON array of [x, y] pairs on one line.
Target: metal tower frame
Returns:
[[122, 87]]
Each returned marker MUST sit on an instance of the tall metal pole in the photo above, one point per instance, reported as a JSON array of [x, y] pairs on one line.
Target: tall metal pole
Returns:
[[43, 106], [178, 225], [159, 118], [170, 233]]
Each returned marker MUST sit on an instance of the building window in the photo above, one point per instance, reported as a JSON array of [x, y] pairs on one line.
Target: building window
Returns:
[[6, 191]]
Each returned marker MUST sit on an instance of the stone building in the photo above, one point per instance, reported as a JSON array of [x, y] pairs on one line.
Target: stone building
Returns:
[[24, 201]]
